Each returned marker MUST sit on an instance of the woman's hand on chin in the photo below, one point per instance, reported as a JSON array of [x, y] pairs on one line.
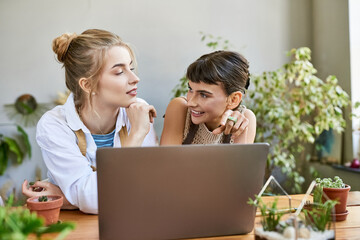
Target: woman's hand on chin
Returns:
[[140, 116], [232, 122]]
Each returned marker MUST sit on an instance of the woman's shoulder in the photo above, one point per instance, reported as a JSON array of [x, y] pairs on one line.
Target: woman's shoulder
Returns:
[[249, 114], [178, 103], [52, 121], [57, 114]]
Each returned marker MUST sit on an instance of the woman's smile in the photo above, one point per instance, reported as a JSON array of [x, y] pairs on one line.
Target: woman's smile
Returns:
[[197, 113]]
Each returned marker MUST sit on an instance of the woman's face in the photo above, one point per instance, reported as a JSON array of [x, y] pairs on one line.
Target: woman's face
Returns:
[[207, 103], [117, 85]]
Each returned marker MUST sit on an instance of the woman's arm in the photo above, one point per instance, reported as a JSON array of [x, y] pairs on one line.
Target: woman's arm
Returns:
[[174, 122]]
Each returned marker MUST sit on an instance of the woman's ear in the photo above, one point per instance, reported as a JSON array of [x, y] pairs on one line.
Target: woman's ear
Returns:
[[85, 85], [234, 100]]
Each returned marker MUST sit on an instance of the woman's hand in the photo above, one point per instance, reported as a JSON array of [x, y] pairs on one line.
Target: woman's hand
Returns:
[[232, 122], [40, 188], [140, 116]]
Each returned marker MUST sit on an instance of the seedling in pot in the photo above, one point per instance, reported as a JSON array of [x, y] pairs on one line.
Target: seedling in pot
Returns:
[[43, 199]]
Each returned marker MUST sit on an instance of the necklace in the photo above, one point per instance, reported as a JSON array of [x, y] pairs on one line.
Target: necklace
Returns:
[[97, 125]]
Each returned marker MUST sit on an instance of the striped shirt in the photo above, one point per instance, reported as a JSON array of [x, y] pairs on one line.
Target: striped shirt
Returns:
[[106, 140]]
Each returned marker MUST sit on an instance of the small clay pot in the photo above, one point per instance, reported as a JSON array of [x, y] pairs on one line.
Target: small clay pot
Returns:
[[340, 216], [339, 194], [49, 210]]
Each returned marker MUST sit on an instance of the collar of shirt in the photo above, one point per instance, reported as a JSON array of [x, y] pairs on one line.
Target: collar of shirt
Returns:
[[75, 123]]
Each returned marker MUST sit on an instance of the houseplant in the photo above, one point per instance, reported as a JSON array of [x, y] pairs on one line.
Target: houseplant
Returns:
[[294, 102], [18, 223], [47, 207], [10, 145], [335, 189], [273, 226]]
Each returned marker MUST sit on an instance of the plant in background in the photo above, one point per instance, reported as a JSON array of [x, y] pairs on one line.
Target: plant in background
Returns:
[[10, 146], [329, 183], [355, 112], [26, 111], [18, 223], [214, 43], [294, 102]]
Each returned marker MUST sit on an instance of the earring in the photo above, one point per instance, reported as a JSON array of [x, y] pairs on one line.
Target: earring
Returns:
[[93, 93]]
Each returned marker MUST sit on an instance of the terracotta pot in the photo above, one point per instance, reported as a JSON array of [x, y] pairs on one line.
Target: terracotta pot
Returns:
[[49, 210], [339, 194]]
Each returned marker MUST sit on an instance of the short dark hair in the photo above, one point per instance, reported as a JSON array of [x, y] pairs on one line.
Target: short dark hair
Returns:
[[227, 67]]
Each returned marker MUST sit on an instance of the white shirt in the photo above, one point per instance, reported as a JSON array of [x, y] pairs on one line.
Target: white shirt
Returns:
[[67, 167]]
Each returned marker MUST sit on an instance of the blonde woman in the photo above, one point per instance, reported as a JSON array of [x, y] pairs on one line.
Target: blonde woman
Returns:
[[99, 72]]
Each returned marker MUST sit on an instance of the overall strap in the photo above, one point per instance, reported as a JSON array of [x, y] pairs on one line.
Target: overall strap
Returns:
[[82, 141], [82, 144], [123, 136]]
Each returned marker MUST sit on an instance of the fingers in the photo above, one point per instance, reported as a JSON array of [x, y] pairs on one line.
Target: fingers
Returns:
[[29, 191], [234, 127], [219, 130], [152, 113], [138, 107], [24, 187], [228, 127], [241, 128], [225, 116], [41, 184]]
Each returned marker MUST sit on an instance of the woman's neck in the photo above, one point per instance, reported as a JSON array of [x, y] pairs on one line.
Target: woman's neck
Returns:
[[97, 120], [213, 124]]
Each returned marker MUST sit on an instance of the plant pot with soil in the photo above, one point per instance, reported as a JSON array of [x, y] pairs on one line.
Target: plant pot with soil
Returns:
[[46, 206], [335, 189]]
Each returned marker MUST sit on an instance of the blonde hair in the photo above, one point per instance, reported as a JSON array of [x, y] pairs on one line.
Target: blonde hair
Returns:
[[83, 57]]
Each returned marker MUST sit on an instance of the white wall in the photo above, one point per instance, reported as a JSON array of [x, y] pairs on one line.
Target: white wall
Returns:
[[354, 23], [165, 35], [331, 56]]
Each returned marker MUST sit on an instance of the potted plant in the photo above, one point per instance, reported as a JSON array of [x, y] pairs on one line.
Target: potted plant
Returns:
[[335, 189], [19, 223], [10, 145], [273, 227], [47, 207]]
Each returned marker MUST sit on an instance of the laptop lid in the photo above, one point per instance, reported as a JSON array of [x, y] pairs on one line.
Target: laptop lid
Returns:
[[172, 192]]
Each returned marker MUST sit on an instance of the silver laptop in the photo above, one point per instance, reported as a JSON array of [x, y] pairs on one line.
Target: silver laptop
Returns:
[[176, 192]]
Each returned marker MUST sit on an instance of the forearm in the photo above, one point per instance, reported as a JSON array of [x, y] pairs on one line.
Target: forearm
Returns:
[[135, 139]]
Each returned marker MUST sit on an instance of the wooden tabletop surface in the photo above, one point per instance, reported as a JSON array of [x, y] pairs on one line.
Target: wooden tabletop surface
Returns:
[[87, 225]]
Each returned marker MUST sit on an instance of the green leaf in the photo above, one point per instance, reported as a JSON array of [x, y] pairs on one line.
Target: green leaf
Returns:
[[57, 227], [14, 147], [3, 157], [26, 139], [357, 104]]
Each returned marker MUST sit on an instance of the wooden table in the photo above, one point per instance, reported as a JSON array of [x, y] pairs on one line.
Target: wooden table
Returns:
[[87, 225]]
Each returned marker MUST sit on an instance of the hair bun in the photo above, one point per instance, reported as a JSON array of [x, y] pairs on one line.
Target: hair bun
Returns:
[[61, 44]]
